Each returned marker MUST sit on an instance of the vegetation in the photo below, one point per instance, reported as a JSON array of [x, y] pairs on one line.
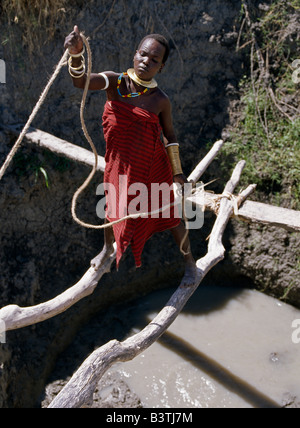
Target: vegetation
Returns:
[[32, 15], [267, 134], [38, 165]]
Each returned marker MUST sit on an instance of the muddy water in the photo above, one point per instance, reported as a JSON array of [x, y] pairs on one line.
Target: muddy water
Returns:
[[229, 348]]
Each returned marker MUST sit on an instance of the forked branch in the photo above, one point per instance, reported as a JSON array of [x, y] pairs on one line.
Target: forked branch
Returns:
[[79, 390]]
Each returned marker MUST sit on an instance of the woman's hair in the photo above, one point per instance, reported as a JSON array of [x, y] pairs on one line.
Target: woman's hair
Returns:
[[162, 40]]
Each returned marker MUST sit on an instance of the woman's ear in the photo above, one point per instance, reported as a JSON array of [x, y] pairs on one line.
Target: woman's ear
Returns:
[[161, 68]]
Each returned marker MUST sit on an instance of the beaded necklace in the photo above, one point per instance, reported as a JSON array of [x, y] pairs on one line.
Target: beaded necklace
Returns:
[[133, 94]]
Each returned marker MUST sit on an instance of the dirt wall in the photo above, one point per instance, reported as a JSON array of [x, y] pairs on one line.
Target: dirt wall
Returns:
[[43, 250]]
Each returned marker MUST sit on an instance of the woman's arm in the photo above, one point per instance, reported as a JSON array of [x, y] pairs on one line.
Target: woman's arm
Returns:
[[170, 140], [74, 43], [166, 120]]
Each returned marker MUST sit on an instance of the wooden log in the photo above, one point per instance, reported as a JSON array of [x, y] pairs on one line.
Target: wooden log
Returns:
[[254, 212], [58, 146], [251, 211]]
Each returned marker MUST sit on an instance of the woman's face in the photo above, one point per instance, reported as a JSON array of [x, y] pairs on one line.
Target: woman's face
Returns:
[[148, 59]]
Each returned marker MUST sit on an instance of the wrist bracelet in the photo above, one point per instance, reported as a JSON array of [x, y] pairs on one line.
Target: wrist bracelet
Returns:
[[76, 68], [172, 144], [77, 55], [173, 154], [77, 74]]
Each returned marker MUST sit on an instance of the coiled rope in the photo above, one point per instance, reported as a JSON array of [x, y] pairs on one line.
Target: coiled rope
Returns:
[[62, 62], [91, 175], [76, 195], [37, 107]]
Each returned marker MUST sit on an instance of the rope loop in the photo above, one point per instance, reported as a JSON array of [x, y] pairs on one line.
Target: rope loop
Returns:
[[63, 61]]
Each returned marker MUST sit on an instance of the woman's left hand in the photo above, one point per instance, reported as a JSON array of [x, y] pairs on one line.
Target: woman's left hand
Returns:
[[180, 179]]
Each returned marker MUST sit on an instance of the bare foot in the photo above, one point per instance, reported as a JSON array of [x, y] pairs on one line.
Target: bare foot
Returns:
[[190, 275], [102, 257]]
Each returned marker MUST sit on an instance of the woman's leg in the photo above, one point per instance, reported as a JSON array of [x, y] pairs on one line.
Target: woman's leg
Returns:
[[107, 250]]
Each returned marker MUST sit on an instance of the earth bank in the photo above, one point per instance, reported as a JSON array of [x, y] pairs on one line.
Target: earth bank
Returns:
[[43, 251]]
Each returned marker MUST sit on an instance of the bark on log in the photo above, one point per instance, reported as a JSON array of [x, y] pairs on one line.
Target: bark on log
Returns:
[[79, 390]]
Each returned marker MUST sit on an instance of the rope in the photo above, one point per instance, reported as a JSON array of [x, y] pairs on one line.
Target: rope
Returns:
[[214, 201], [91, 175], [33, 114], [87, 136], [38, 105], [236, 200]]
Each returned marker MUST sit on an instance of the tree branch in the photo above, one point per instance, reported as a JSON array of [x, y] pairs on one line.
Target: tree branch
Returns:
[[79, 390], [205, 162], [15, 317]]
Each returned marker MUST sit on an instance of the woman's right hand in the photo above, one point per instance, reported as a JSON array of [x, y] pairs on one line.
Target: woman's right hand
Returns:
[[74, 42]]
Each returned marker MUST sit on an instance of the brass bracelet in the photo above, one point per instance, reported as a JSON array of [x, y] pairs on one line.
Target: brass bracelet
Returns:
[[76, 68], [77, 76], [173, 154]]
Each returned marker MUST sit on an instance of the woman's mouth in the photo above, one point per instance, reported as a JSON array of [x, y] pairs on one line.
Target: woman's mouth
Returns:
[[143, 69]]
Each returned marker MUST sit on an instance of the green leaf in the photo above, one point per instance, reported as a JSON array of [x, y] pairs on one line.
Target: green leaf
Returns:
[[45, 175]]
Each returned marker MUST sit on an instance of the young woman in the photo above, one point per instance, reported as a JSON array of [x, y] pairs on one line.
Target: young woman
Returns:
[[136, 116]]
